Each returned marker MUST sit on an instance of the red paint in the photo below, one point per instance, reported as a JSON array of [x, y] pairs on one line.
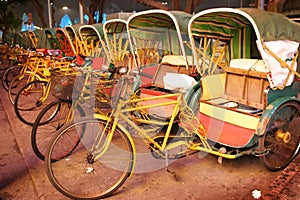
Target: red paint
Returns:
[[226, 133]]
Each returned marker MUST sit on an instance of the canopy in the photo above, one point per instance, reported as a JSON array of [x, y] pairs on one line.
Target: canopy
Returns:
[[114, 26], [158, 33], [73, 33], [268, 26], [26, 43], [91, 32], [176, 20], [116, 38], [51, 39], [73, 30], [65, 42], [250, 33], [92, 37]]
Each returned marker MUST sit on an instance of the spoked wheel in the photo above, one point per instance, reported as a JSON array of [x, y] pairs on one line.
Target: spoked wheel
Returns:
[[93, 168], [9, 74], [28, 102], [4, 63], [281, 141], [17, 84], [51, 119]]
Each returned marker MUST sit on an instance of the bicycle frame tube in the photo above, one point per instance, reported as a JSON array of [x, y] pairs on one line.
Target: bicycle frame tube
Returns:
[[143, 132]]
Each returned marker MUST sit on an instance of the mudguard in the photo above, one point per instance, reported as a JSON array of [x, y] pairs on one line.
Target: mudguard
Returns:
[[269, 111]]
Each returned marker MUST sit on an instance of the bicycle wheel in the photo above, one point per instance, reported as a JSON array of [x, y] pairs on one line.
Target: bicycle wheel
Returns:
[[9, 74], [28, 103], [281, 141], [51, 119], [81, 172], [4, 63], [17, 84]]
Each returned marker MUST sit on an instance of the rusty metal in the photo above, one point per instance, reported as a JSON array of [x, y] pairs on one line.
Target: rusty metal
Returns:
[[281, 182]]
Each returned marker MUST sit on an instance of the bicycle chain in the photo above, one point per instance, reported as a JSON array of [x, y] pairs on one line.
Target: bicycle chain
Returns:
[[276, 187]]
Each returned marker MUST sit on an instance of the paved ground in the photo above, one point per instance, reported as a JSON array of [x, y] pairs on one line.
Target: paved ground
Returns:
[[22, 174]]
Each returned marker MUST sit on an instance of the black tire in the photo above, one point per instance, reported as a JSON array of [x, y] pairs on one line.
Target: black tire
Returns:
[[9, 74], [17, 84], [281, 141], [28, 102], [4, 63], [51, 119], [75, 172]]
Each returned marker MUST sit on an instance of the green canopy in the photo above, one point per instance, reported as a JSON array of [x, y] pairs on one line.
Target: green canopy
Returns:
[[242, 27], [51, 39], [268, 26], [91, 32], [158, 32], [92, 37], [116, 38], [151, 19], [65, 42], [114, 26], [73, 30], [273, 26]]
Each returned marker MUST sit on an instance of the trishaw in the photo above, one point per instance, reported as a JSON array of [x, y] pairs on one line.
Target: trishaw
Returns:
[[99, 153], [25, 42], [65, 42], [115, 34], [162, 54], [73, 32], [51, 39], [33, 38], [249, 102], [92, 37]]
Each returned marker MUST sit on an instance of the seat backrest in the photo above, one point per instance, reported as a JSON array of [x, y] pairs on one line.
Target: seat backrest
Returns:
[[161, 71], [246, 82], [212, 86]]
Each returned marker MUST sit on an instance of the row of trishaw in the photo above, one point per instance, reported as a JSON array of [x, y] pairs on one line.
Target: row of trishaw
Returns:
[[222, 81]]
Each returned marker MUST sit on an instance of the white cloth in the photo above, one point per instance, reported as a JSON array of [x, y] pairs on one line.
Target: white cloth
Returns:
[[180, 82], [285, 50]]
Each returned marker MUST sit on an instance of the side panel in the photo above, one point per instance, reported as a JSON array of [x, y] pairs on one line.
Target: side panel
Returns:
[[226, 126]]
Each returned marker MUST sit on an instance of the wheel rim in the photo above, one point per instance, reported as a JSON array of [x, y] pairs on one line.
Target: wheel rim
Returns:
[[95, 176], [281, 140]]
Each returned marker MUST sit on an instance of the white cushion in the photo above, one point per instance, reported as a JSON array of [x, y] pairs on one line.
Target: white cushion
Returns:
[[180, 82], [177, 60], [248, 64]]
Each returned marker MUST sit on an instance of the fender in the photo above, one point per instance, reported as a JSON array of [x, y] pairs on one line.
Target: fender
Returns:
[[194, 100], [270, 110]]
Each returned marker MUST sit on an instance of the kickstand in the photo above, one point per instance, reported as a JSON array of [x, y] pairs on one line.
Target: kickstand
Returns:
[[167, 167]]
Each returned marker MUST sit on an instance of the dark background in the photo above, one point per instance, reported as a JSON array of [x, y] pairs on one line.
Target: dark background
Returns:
[[113, 6]]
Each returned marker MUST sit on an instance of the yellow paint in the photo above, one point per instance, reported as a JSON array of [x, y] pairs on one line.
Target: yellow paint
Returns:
[[229, 116], [213, 86]]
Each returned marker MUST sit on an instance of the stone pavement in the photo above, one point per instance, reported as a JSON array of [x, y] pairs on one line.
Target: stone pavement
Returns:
[[15, 180], [21, 172]]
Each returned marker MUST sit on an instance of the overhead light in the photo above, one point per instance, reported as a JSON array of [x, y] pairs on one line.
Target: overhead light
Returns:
[[65, 8]]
